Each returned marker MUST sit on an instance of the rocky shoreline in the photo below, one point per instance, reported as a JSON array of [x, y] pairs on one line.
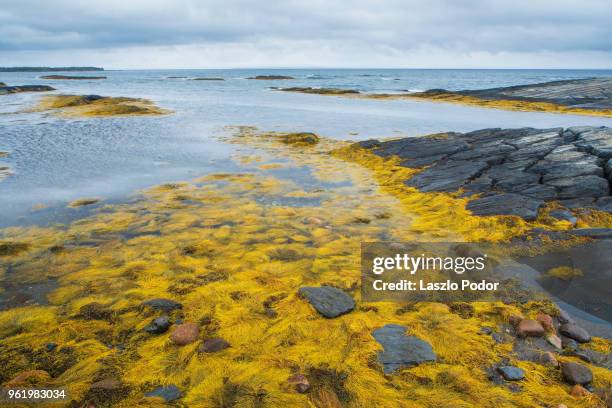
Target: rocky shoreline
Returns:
[[511, 171]]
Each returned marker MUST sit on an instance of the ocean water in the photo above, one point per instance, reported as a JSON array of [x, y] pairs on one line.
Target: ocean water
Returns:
[[56, 160]]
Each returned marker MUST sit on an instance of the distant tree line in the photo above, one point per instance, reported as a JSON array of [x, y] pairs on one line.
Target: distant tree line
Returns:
[[45, 69]]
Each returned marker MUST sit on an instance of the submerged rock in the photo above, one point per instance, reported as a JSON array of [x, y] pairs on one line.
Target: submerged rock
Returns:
[[166, 305], [328, 301], [297, 139], [167, 392], [401, 350], [575, 373]]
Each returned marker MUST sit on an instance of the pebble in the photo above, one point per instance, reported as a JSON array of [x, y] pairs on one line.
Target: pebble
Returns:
[[575, 373], [575, 332], [51, 346], [213, 345], [549, 359], [185, 333], [158, 325], [511, 373], [530, 328]]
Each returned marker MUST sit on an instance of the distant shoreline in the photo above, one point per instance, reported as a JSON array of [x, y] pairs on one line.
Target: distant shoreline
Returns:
[[48, 69]]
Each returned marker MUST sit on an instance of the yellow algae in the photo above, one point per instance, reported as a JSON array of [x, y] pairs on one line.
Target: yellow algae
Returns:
[[234, 249], [94, 105], [565, 273], [83, 202]]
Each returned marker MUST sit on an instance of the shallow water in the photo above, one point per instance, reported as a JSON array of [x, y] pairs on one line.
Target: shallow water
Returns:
[[55, 160]]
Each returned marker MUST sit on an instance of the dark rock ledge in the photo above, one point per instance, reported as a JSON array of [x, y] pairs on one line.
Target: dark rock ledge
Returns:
[[24, 88], [514, 171]]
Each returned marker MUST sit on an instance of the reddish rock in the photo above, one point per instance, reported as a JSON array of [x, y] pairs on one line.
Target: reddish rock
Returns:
[[185, 333], [529, 328], [579, 391], [300, 382], [546, 321]]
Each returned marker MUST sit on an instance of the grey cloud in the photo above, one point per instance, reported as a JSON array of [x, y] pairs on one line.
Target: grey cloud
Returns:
[[516, 26]]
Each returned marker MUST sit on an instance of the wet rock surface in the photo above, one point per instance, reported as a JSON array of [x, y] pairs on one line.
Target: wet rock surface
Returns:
[[575, 373], [511, 373], [328, 301], [513, 171], [158, 326], [401, 350], [575, 332], [588, 93]]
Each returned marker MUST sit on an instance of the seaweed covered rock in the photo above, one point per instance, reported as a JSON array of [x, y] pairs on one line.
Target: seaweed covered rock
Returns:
[[96, 105], [320, 91], [213, 345], [401, 350], [510, 171], [299, 139], [328, 301]]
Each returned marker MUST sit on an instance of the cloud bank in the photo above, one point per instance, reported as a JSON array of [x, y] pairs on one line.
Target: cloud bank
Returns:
[[313, 33]]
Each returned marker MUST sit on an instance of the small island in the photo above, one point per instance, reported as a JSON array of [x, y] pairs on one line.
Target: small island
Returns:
[[75, 77], [271, 77], [96, 105], [4, 90]]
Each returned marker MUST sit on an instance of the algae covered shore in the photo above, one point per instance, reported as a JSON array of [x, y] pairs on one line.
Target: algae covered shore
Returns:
[[193, 294]]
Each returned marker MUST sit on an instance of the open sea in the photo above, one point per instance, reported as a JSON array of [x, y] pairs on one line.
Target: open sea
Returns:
[[55, 160]]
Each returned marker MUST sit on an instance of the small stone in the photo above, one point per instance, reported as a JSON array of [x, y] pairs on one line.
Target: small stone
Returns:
[[511, 373], [549, 359], [300, 382], [51, 346], [575, 332], [168, 393], [575, 373], [165, 305], [328, 301], [485, 330], [213, 345], [530, 328], [546, 321], [578, 391], [158, 326], [554, 340], [185, 333]]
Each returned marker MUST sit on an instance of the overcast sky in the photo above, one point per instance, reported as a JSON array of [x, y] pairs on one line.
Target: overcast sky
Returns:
[[307, 33]]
